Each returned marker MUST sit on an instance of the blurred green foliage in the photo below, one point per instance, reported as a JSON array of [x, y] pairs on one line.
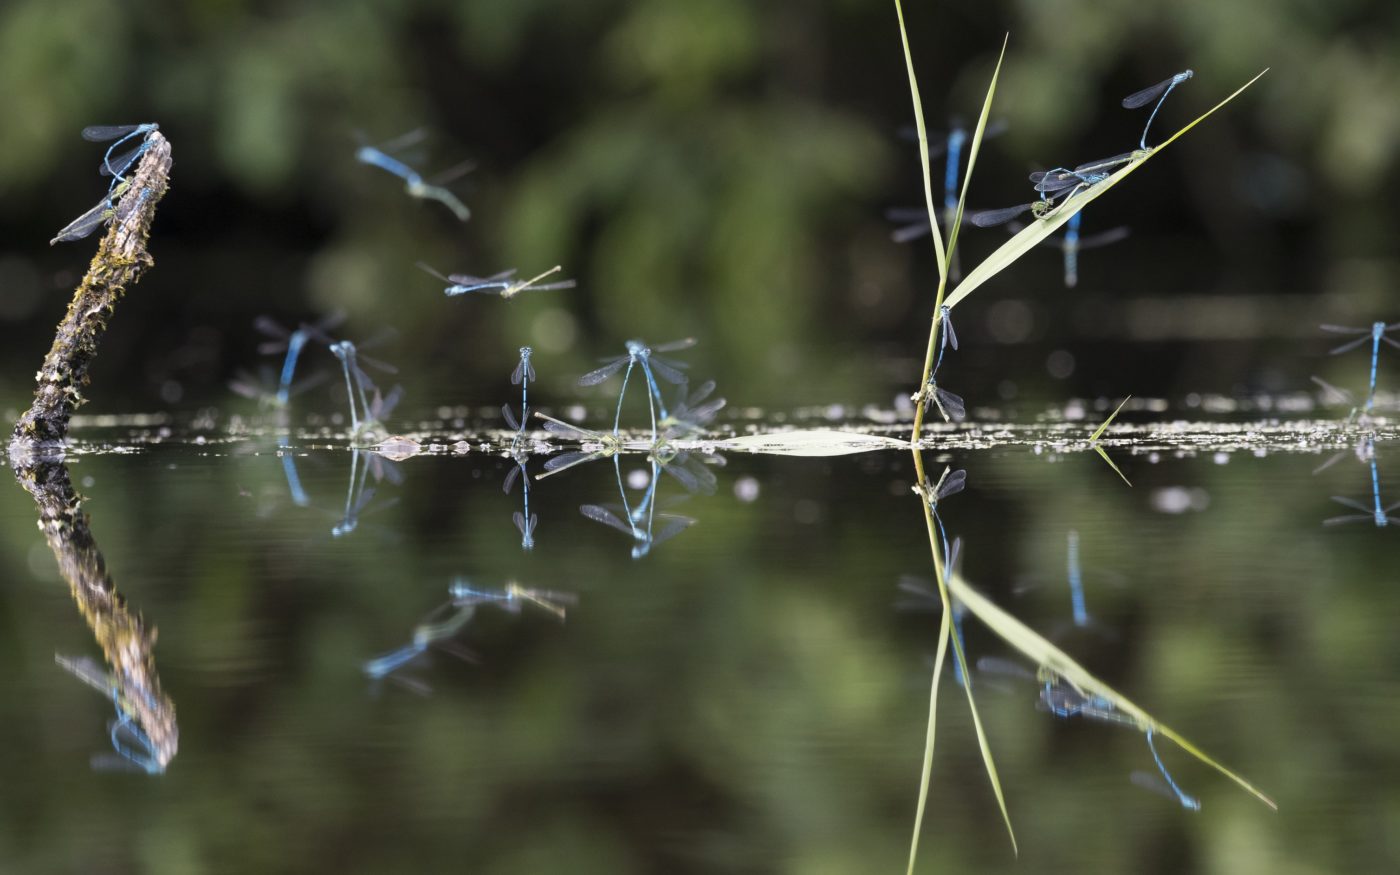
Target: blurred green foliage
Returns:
[[709, 168]]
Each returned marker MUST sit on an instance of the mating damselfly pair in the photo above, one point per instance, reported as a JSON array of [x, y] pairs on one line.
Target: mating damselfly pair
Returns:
[[1056, 187], [114, 166]]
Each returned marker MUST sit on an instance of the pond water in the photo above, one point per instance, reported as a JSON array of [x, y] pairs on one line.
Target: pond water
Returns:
[[741, 695]]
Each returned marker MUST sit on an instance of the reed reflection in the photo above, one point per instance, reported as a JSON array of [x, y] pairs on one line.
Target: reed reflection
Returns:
[[144, 734]]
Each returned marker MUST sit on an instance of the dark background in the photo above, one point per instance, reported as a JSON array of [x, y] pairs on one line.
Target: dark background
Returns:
[[716, 169]]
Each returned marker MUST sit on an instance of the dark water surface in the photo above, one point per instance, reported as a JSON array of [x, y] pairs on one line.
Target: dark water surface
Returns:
[[743, 698]]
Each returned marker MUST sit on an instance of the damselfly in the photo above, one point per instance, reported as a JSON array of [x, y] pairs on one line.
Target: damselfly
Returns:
[[102, 213], [693, 411], [1088, 173], [503, 284], [1376, 333], [358, 383], [950, 406], [118, 134], [947, 338], [638, 353], [916, 221], [522, 375], [414, 184], [292, 342], [1156, 92], [1072, 244], [593, 445]]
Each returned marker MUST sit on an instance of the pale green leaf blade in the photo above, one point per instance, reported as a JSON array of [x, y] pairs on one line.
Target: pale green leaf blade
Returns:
[[809, 442], [1098, 432]]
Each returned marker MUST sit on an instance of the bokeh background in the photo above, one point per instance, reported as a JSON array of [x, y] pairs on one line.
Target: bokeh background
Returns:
[[745, 699], [716, 169]]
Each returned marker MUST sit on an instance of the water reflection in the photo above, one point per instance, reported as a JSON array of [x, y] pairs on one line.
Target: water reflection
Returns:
[[358, 495], [1065, 700], [442, 627], [1365, 453], [640, 519], [144, 734]]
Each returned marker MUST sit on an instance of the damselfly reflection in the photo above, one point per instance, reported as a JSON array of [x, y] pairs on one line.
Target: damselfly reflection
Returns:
[[1165, 785], [949, 483], [513, 597], [918, 595], [358, 495], [1378, 332], [1364, 451], [435, 631], [640, 520], [525, 522], [638, 353], [441, 628], [1080, 618], [382, 156], [135, 751], [1065, 701], [1376, 513]]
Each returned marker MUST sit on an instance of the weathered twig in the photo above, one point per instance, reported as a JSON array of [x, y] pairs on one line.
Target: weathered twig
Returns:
[[120, 261]]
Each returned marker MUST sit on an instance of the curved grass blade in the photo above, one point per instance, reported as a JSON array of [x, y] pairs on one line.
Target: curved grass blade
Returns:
[[1037, 231]]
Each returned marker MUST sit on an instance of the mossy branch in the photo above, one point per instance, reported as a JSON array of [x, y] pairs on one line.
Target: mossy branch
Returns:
[[120, 261]]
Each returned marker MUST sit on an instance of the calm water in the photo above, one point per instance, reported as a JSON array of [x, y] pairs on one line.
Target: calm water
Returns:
[[744, 698]]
